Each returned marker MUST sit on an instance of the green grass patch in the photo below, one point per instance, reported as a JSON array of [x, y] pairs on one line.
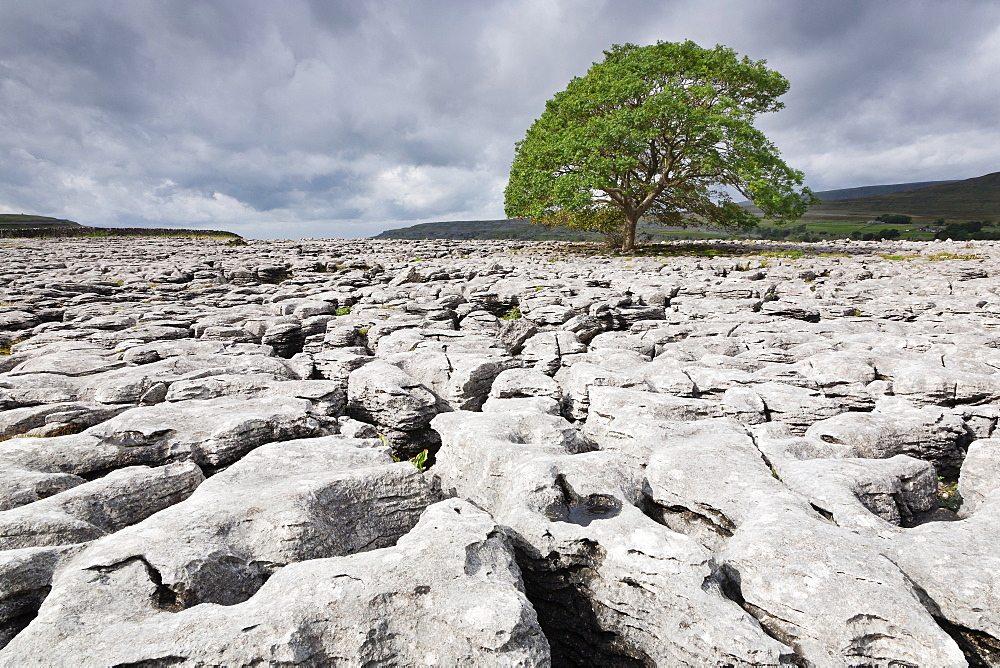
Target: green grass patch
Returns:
[[942, 257], [513, 314], [791, 255], [6, 347]]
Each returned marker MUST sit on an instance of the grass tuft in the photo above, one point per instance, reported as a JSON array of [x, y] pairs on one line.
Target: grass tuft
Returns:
[[513, 314], [942, 257]]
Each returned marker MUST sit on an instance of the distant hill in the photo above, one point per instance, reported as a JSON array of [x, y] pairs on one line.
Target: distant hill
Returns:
[[486, 229], [864, 191], [972, 199], [20, 225], [23, 220], [870, 191]]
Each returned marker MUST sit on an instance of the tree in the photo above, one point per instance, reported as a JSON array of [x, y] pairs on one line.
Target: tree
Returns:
[[896, 218], [965, 231], [656, 131]]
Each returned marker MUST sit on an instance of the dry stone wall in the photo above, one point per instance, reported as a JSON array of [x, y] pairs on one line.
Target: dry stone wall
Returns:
[[751, 454]]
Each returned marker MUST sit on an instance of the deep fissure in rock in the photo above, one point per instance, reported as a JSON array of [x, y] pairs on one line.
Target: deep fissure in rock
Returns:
[[981, 649], [562, 599], [26, 606], [159, 662], [824, 513], [728, 579], [714, 521]]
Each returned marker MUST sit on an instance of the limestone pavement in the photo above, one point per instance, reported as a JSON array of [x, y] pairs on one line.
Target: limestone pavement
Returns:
[[358, 452]]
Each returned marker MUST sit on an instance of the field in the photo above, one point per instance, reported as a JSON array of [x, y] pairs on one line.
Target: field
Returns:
[[808, 226]]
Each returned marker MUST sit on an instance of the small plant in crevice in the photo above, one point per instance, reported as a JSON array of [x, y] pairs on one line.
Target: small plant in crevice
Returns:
[[419, 460], [513, 314], [343, 310], [65, 430], [6, 347], [947, 494]]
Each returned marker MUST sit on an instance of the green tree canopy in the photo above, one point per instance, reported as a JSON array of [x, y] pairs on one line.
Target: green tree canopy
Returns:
[[657, 131]]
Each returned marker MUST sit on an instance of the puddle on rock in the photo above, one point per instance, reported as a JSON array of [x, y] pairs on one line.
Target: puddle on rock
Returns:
[[585, 511]]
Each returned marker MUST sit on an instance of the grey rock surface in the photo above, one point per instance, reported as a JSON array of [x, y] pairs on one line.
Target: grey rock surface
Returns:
[[734, 503], [467, 581], [94, 509], [980, 475], [385, 395]]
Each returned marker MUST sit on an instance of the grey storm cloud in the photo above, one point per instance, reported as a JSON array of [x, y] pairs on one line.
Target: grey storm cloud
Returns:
[[316, 118]]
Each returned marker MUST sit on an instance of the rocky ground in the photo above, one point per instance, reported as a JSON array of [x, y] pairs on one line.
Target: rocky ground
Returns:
[[764, 457]]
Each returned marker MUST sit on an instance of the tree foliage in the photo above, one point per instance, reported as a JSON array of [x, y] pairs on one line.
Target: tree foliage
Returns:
[[656, 131], [895, 218], [967, 231], [881, 235]]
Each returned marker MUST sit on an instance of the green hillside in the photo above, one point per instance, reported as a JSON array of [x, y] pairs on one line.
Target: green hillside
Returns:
[[27, 221], [870, 191], [20, 226], [486, 229], [861, 191], [972, 199]]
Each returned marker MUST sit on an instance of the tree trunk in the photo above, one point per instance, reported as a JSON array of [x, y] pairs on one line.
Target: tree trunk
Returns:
[[631, 221]]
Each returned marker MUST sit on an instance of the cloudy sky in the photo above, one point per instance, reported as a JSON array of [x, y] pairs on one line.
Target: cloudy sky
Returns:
[[341, 118]]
